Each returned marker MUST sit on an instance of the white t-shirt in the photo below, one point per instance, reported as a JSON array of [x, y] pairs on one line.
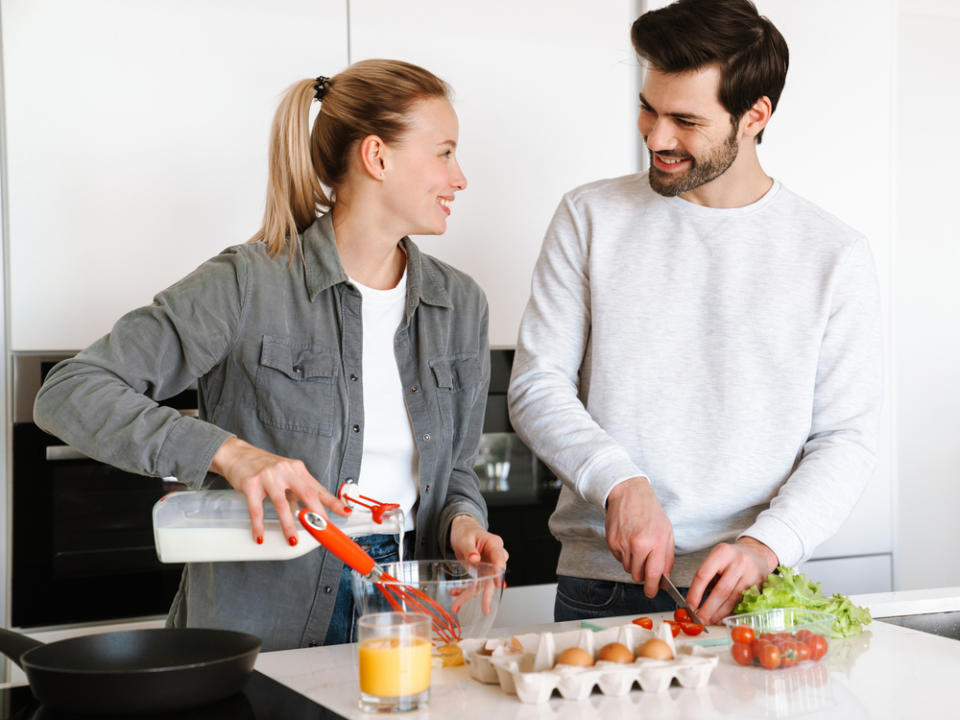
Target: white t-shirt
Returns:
[[389, 466]]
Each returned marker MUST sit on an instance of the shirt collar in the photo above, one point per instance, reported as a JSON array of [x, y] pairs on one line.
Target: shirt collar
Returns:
[[323, 269]]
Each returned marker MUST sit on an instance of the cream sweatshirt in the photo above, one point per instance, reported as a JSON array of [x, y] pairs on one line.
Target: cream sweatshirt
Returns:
[[732, 356]]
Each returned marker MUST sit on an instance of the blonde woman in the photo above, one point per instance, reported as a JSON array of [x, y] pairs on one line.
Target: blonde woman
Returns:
[[326, 349]]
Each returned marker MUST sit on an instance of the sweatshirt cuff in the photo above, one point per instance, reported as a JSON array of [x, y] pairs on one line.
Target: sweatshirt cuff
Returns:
[[605, 474], [779, 537]]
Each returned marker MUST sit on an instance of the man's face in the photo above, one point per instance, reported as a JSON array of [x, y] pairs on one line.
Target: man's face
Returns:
[[688, 132]]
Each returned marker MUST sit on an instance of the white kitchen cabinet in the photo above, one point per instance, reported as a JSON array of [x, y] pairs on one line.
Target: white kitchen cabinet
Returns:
[[831, 139], [136, 139], [851, 576], [546, 93]]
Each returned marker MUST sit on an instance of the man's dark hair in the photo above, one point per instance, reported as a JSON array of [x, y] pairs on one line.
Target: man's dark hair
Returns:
[[691, 34]]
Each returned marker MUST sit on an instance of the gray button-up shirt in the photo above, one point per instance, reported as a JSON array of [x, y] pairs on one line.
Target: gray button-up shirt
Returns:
[[275, 348]]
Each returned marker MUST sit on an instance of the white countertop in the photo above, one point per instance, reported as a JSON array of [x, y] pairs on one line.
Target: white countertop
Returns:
[[886, 672]]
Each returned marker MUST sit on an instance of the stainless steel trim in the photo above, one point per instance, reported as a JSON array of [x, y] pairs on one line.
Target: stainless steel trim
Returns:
[[64, 452], [27, 379]]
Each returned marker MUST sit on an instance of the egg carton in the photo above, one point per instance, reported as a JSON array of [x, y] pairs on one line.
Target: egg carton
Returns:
[[532, 677]]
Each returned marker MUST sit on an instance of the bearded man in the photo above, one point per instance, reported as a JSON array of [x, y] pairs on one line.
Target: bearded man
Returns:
[[700, 358]]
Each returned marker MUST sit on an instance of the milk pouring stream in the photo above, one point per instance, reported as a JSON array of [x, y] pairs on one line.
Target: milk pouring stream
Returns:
[[214, 526]]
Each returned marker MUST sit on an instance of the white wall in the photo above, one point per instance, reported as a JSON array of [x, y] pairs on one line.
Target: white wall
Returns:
[[137, 142], [927, 297], [547, 98]]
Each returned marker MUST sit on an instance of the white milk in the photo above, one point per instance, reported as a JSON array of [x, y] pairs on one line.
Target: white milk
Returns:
[[211, 544]]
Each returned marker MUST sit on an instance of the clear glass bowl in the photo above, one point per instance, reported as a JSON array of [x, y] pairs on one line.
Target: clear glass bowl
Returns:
[[469, 593]]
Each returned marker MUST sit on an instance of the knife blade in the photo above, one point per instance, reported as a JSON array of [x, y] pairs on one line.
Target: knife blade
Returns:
[[667, 584]]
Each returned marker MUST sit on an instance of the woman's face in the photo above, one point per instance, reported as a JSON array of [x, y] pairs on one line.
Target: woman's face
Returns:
[[421, 174]]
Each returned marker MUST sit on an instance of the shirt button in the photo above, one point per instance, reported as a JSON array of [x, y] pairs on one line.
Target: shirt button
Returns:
[[298, 369], [414, 389], [356, 428], [353, 377], [426, 437], [426, 489], [327, 589]]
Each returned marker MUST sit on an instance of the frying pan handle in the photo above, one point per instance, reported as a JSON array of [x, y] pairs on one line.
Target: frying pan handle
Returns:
[[337, 542], [14, 645]]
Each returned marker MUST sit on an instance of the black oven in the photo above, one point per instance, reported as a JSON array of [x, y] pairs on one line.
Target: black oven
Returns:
[[520, 490], [83, 546]]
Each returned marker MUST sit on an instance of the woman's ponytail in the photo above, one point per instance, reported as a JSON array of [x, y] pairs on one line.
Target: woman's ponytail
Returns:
[[293, 187]]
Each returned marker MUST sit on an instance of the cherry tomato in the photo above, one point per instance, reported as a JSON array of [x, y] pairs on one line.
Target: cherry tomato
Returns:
[[691, 628], [803, 635], [803, 652], [681, 615], [742, 634], [769, 656], [674, 627], [788, 655], [756, 645], [818, 646], [742, 653], [767, 636], [644, 622]]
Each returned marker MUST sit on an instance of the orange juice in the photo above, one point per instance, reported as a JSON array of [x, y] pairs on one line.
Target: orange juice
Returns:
[[394, 667]]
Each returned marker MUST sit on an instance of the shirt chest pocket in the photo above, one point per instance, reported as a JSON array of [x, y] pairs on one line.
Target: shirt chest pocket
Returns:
[[458, 382], [296, 386]]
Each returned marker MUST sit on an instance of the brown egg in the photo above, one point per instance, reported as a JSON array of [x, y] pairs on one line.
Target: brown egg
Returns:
[[615, 652], [574, 656], [656, 649]]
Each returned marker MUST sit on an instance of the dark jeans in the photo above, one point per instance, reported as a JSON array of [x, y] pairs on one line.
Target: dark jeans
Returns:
[[343, 622], [583, 599]]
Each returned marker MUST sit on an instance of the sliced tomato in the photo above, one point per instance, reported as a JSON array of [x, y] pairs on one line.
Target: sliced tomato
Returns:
[[681, 615], [644, 622], [674, 627], [691, 628]]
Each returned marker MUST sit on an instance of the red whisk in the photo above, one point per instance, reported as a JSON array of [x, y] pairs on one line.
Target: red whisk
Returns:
[[400, 596]]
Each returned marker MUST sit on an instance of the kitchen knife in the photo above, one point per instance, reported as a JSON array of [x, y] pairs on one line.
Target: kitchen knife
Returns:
[[667, 584]]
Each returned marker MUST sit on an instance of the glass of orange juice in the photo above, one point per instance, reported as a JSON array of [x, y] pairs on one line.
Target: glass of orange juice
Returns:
[[393, 650]]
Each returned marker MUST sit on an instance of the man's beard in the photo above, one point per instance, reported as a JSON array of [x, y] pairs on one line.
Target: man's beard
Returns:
[[701, 171]]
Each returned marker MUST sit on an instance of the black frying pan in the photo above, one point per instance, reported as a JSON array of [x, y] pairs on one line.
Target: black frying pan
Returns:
[[134, 671]]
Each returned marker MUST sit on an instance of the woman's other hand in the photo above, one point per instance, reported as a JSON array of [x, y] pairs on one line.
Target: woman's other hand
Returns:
[[259, 474], [472, 544]]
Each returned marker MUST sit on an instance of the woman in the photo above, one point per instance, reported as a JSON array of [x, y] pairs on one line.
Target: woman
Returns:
[[327, 349]]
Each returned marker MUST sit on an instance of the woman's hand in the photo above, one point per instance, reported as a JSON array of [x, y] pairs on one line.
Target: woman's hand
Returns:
[[472, 544], [258, 474]]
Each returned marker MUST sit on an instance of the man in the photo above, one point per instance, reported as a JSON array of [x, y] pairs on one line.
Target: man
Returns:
[[700, 359]]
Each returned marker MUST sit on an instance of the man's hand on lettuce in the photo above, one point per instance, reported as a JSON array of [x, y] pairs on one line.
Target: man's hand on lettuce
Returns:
[[787, 588]]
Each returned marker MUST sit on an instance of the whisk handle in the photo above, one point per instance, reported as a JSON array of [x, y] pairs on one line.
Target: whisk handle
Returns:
[[337, 542]]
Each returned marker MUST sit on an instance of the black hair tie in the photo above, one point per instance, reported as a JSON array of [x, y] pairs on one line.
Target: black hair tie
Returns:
[[322, 86]]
